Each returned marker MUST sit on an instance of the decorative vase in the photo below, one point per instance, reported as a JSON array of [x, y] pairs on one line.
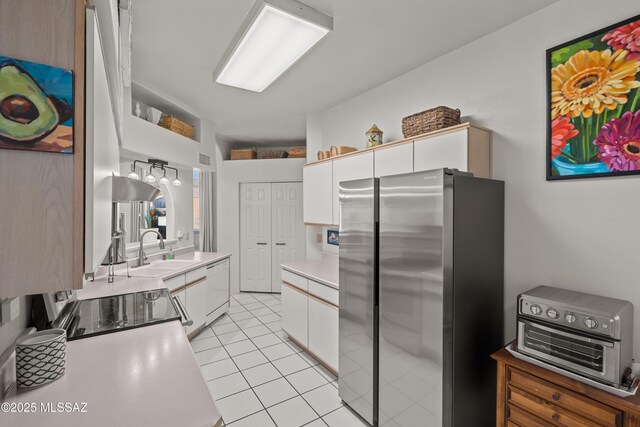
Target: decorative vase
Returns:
[[41, 357], [566, 168], [374, 136]]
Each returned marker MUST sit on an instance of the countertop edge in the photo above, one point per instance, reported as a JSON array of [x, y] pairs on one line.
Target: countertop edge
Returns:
[[309, 276]]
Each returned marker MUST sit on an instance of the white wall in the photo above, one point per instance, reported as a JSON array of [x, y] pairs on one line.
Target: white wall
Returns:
[[229, 176], [578, 234]]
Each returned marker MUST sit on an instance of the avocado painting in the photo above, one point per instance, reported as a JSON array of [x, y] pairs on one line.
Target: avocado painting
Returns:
[[36, 107]]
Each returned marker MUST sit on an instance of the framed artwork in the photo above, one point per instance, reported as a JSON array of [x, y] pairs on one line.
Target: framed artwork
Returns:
[[333, 237], [36, 107], [593, 101]]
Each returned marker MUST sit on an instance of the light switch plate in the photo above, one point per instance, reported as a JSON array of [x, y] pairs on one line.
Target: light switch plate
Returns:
[[319, 238], [10, 310]]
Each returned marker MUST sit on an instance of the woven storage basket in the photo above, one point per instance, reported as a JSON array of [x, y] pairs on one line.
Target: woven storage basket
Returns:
[[243, 154], [323, 155], [177, 126], [336, 151], [297, 153], [272, 154], [430, 120]]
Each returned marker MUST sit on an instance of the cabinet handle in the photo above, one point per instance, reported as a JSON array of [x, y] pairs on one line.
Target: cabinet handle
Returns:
[[262, 243], [281, 244], [556, 396], [186, 320], [556, 417]]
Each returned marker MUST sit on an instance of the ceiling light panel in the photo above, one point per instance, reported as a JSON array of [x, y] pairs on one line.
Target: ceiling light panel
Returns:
[[275, 40]]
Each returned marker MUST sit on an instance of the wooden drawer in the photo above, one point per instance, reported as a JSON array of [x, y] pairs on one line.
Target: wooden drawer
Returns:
[[294, 280], [597, 412], [546, 411], [324, 292], [520, 417]]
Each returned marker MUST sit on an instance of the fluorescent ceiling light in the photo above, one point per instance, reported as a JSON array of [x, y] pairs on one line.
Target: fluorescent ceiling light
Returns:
[[275, 35]]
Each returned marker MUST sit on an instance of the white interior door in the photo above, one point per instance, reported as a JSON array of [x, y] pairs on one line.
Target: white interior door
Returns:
[[287, 229], [255, 237]]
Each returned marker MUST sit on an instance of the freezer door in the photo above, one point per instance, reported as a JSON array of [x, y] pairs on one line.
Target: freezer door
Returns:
[[358, 277], [411, 299]]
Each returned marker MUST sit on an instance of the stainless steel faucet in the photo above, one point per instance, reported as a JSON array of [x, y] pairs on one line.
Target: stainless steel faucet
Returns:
[[141, 256]]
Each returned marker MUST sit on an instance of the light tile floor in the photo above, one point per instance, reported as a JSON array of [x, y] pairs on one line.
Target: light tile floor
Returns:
[[258, 377]]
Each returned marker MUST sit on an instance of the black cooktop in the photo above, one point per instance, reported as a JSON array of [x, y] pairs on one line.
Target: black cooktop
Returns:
[[116, 313]]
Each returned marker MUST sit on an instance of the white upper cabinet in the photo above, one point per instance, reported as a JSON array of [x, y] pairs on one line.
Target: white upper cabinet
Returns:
[[394, 160], [464, 147], [317, 192], [346, 169], [467, 149]]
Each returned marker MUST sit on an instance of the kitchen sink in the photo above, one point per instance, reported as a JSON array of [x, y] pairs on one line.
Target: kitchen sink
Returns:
[[172, 263], [150, 271]]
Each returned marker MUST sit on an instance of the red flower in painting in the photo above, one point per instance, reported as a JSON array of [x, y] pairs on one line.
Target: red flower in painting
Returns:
[[561, 131], [626, 37], [619, 143]]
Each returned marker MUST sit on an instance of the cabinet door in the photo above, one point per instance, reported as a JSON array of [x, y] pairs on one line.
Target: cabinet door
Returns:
[[393, 160], [287, 228], [101, 151], [294, 314], [255, 237], [317, 193], [346, 169], [445, 151], [323, 331], [217, 286], [196, 296]]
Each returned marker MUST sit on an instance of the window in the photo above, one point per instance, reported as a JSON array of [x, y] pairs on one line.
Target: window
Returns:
[[196, 208]]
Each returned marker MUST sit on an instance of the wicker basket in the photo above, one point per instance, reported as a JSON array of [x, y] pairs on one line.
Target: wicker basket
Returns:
[[336, 151], [272, 154], [243, 154], [430, 120], [177, 126], [297, 153], [323, 155]]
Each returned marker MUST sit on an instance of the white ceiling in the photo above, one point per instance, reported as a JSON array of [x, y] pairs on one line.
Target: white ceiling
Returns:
[[178, 43]]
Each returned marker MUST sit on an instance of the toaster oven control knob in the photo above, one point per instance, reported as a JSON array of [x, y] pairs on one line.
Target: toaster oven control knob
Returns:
[[552, 313], [536, 309], [570, 317], [590, 322]]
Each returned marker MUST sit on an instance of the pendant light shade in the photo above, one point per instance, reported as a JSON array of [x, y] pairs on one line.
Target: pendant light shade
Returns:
[[150, 178], [133, 174], [164, 180]]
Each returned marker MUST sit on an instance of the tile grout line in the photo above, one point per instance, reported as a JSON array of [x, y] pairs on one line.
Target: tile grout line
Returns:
[[250, 339]]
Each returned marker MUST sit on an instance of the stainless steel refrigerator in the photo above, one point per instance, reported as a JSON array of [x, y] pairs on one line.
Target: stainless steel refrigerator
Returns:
[[421, 298]]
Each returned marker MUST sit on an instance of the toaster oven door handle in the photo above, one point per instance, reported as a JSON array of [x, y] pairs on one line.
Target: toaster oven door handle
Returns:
[[568, 334]]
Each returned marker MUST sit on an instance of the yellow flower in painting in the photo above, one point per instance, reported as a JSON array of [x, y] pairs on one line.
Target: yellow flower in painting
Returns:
[[589, 82]]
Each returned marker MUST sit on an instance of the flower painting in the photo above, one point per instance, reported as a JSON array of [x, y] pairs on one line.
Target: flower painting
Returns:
[[594, 104], [36, 107]]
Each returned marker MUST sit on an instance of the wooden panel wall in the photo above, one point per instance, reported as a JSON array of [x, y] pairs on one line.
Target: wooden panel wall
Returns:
[[42, 194]]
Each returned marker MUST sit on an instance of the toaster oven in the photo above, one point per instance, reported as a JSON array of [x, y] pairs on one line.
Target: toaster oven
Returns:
[[586, 334]]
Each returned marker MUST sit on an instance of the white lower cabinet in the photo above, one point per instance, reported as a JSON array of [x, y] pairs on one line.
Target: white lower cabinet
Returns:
[[217, 286], [204, 293], [323, 331], [294, 312], [310, 316], [197, 304]]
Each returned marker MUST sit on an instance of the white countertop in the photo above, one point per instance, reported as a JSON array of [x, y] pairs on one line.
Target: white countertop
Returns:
[[143, 376], [123, 284], [140, 377], [324, 270]]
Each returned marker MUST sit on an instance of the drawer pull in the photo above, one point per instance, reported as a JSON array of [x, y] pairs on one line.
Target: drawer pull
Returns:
[[556, 396]]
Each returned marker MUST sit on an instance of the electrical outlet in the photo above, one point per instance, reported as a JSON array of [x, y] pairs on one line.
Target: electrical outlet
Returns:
[[10, 310], [319, 238], [635, 368]]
